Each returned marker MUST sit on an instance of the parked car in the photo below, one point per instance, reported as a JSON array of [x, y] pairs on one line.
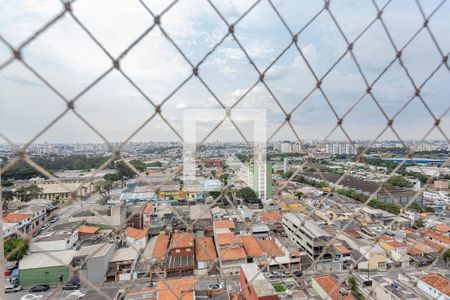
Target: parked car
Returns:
[[71, 286], [54, 220], [45, 226], [40, 288], [298, 273], [12, 288]]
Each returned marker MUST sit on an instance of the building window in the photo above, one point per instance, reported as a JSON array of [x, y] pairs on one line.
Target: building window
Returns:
[[188, 250], [177, 250]]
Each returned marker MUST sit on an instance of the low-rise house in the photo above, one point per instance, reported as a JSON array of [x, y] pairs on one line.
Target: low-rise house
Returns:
[[22, 222], [434, 286], [137, 238], [181, 260], [437, 238], [60, 237], [227, 223], [94, 261], [342, 258], [154, 256], [176, 289], [45, 267], [205, 254], [374, 258], [148, 214], [442, 229], [201, 217], [396, 250], [329, 288], [122, 263], [385, 289], [86, 231], [260, 231], [254, 285]]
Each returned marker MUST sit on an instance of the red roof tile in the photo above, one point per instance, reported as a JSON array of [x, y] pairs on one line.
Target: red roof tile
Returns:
[[204, 248], [251, 246], [176, 289], [269, 247], [136, 233], [232, 253], [438, 282], [88, 229], [15, 218], [160, 249], [228, 238], [182, 240], [330, 285], [224, 224]]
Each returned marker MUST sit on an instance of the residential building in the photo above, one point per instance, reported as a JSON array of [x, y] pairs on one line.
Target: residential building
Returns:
[[254, 285], [94, 261], [205, 254], [434, 286], [136, 238], [181, 260], [329, 288], [309, 236]]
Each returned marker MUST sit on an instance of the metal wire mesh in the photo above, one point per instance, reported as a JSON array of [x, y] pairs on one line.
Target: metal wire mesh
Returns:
[[289, 115]]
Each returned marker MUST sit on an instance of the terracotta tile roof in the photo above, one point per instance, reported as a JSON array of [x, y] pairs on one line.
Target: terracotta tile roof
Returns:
[[437, 236], [176, 289], [232, 253], [342, 249], [436, 247], [438, 282], [224, 224], [228, 238], [136, 233], [408, 231], [161, 246], [251, 246], [148, 208], [385, 238], [269, 247], [204, 248], [182, 240], [88, 229], [396, 244], [413, 251], [270, 216], [353, 233], [330, 285], [15, 218], [442, 228], [422, 246]]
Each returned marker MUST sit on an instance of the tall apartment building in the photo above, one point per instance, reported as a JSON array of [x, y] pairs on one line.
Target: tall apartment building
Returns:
[[340, 149], [309, 236]]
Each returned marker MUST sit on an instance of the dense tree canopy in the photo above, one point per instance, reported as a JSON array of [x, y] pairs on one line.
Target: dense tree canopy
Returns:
[[17, 249]]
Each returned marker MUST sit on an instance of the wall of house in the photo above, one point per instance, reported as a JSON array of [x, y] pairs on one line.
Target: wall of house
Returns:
[[28, 277], [97, 267], [431, 291]]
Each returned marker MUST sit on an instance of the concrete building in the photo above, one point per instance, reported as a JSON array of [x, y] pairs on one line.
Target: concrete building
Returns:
[[137, 238], [49, 267], [255, 286], [309, 236], [340, 149], [94, 261]]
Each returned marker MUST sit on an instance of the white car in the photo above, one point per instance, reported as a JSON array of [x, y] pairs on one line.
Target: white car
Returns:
[[31, 297]]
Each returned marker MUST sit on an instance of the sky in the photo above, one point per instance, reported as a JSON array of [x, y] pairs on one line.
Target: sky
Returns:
[[69, 60]]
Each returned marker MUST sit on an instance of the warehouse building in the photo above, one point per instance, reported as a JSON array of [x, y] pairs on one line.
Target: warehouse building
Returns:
[[45, 267]]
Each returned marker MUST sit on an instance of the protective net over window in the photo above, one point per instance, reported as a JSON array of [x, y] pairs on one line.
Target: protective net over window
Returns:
[[335, 82]]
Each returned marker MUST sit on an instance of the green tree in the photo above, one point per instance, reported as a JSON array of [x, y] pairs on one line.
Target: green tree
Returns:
[[104, 187], [352, 283], [7, 195], [16, 248], [123, 172], [154, 164], [111, 177], [399, 181], [25, 194], [446, 255], [419, 223], [247, 194], [224, 178]]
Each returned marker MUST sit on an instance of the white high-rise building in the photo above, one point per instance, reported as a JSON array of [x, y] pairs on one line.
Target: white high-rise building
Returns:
[[340, 149]]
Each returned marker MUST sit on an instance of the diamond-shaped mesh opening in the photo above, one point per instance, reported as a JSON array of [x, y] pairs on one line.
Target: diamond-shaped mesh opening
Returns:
[[355, 97]]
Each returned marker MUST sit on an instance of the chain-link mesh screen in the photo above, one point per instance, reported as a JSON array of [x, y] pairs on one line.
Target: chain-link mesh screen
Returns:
[[379, 41]]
